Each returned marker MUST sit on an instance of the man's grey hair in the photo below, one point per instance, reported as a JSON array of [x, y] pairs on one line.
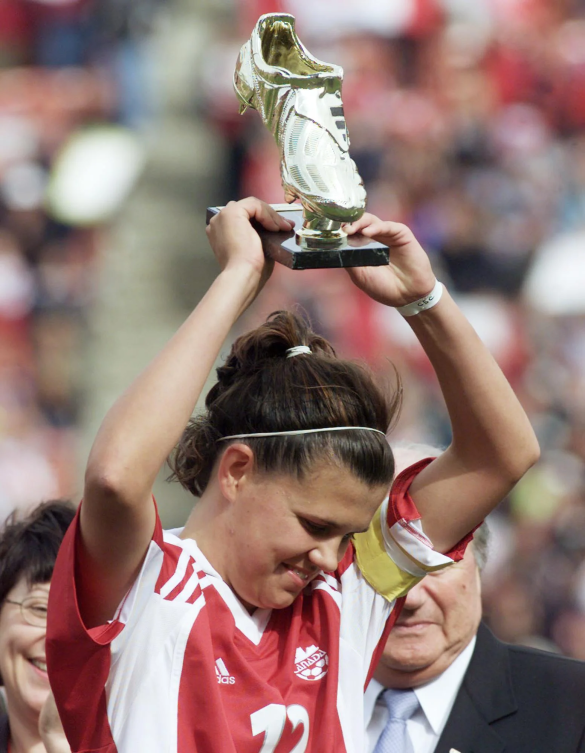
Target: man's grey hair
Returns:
[[408, 453], [480, 545]]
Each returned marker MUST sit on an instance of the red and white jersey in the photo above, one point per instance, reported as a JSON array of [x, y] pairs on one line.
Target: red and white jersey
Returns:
[[184, 668]]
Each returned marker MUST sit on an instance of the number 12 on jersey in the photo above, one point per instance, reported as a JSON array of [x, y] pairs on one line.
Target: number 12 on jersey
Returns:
[[271, 720]]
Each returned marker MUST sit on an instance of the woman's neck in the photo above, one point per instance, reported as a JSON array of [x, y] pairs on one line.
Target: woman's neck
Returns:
[[207, 525], [24, 734]]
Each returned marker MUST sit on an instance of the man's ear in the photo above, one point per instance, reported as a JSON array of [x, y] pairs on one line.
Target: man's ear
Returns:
[[236, 466]]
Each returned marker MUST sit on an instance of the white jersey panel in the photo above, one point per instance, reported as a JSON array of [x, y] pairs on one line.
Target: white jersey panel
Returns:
[[142, 712], [359, 639]]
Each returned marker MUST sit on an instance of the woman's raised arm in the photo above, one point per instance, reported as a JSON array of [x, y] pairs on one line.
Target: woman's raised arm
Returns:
[[145, 423], [493, 442]]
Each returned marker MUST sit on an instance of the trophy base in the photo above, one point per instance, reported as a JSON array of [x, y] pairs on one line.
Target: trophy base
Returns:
[[352, 251]]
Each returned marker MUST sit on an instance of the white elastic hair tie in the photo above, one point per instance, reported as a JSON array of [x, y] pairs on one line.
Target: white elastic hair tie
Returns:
[[423, 304], [294, 432], [298, 350]]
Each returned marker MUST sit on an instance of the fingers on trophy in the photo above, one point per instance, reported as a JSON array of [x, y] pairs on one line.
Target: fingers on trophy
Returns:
[[299, 100]]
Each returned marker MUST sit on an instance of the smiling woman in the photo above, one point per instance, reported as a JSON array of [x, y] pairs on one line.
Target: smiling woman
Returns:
[[257, 625], [28, 549]]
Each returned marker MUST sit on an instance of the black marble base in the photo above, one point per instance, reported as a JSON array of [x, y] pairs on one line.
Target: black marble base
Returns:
[[283, 248]]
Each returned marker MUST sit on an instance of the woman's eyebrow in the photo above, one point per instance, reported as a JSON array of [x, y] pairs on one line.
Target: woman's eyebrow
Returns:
[[330, 524]]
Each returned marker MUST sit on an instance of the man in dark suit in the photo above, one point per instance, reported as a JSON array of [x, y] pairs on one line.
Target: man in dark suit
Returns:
[[470, 692]]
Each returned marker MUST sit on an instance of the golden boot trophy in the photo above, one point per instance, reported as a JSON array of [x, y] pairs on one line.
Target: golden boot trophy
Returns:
[[299, 100]]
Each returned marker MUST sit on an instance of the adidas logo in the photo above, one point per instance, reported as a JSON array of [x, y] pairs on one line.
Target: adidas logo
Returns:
[[311, 663], [223, 676]]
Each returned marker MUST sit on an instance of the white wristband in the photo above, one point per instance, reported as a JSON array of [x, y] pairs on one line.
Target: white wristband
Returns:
[[423, 304]]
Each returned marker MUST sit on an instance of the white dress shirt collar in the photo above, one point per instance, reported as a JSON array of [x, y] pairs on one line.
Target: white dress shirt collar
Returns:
[[437, 697]]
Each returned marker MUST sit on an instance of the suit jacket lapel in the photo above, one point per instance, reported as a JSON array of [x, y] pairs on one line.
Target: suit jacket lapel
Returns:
[[467, 731], [485, 696]]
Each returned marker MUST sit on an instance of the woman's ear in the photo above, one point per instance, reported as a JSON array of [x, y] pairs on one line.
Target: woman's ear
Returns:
[[235, 468]]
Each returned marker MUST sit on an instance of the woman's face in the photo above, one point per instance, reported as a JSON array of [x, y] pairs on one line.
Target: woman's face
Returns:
[[283, 531], [22, 652]]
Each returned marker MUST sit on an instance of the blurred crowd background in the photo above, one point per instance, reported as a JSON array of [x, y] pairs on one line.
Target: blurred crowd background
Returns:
[[118, 125], [72, 86]]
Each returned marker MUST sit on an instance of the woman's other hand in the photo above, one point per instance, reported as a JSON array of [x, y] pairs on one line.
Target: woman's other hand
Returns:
[[51, 729], [407, 277]]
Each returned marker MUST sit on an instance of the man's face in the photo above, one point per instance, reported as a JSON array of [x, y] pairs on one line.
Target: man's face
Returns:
[[440, 616]]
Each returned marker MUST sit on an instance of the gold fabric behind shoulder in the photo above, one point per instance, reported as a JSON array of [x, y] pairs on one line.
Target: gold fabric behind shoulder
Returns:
[[375, 564]]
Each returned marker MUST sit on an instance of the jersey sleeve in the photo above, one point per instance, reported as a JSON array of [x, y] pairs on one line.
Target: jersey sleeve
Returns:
[[79, 659], [394, 554]]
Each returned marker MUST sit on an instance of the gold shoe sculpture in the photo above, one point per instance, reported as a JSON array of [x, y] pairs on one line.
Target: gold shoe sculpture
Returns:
[[299, 99]]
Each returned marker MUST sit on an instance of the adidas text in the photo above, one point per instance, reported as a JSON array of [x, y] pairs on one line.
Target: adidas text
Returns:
[[222, 674]]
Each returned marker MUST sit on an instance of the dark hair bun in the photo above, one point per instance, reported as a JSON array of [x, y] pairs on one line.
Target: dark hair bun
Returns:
[[270, 341]]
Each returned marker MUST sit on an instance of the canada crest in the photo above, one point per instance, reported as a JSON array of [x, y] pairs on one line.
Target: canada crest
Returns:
[[311, 663]]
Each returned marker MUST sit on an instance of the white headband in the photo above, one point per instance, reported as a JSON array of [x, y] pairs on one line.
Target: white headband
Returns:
[[298, 350], [295, 432]]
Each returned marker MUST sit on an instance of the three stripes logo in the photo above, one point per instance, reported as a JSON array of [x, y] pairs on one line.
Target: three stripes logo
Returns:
[[222, 674], [337, 112]]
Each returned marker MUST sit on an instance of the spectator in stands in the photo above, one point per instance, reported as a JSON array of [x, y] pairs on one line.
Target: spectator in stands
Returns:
[[28, 549]]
